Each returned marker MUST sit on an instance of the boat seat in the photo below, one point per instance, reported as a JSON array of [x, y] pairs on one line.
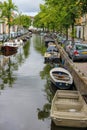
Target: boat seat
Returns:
[[68, 96], [71, 115], [68, 105], [61, 77]]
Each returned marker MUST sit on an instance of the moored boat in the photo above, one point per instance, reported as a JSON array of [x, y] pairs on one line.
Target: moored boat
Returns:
[[19, 42], [9, 46], [47, 40], [61, 78], [9, 53], [51, 57], [69, 109]]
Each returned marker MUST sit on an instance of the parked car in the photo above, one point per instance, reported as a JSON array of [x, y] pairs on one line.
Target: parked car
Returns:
[[61, 39], [68, 44], [78, 51]]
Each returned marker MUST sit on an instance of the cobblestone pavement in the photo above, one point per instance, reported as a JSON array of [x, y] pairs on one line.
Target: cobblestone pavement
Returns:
[[82, 66]]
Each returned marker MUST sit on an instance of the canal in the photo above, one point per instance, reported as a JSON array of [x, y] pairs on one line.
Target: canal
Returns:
[[25, 89]]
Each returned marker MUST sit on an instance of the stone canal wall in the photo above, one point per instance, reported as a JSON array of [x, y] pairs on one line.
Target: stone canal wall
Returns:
[[80, 80]]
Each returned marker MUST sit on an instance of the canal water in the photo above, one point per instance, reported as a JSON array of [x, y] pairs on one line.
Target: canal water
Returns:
[[25, 89]]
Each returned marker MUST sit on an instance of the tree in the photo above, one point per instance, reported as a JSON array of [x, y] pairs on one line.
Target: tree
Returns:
[[63, 13], [7, 9], [22, 21]]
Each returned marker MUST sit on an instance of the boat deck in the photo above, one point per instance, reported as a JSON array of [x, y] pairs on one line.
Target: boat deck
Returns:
[[69, 109], [69, 104]]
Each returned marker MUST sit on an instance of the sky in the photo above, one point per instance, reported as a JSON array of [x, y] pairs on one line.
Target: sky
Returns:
[[29, 7]]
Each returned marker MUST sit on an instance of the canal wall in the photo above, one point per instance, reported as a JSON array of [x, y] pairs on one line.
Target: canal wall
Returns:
[[80, 79]]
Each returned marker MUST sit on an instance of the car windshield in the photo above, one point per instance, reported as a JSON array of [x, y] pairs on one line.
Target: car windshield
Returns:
[[81, 47]]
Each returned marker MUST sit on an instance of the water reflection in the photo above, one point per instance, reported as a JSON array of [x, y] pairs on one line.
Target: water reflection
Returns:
[[44, 113], [27, 104], [39, 44], [26, 48], [6, 72], [44, 74], [9, 62]]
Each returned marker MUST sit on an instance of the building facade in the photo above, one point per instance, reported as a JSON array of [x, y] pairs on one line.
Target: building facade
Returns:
[[81, 27]]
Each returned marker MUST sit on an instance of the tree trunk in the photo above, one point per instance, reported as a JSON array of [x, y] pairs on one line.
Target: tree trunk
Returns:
[[66, 33], [73, 32]]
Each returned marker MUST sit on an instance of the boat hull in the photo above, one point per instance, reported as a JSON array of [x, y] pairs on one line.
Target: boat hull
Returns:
[[70, 122], [8, 48], [61, 78], [61, 85], [69, 109], [9, 53]]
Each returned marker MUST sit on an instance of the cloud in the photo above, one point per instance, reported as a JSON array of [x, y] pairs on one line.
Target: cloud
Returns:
[[27, 6], [30, 13], [30, 7]]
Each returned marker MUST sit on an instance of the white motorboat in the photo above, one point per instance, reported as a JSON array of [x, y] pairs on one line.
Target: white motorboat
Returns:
[[61, 78]]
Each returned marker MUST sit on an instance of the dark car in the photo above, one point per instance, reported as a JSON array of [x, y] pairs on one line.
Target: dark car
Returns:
[[78, 51]]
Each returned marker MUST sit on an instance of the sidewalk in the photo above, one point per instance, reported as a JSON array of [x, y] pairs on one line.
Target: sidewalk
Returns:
[[85, 41], [81, 67]]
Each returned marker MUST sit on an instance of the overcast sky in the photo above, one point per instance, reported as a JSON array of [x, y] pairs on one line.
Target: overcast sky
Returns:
[[30, 7]]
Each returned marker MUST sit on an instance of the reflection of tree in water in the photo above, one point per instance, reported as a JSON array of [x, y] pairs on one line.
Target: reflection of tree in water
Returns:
[[39, 44], [26, 49], [10, 78], [6, 73], [23, 53], [45, 73], [45, 111]]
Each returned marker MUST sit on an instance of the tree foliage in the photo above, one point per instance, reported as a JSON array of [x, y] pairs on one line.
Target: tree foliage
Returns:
[[61, 14], [7, 8], [22, 20]]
